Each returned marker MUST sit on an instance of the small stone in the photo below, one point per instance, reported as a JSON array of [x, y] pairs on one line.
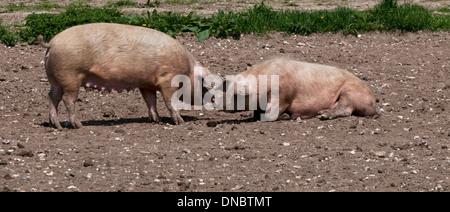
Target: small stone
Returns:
[[88, 163], [211, 124], [8, 177], [380, 154], [119, 130], [187, 151], [71, 187], [25, 153]]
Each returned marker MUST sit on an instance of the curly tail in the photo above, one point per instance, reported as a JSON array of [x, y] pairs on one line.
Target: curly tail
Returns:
[[42, 43]]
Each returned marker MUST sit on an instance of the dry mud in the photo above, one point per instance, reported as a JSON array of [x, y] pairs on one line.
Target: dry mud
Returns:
[[118, 149]]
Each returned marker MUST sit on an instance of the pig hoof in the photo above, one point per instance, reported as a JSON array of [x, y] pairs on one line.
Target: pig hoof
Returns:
[[324, 115], [77, 125], [178, 121], [155, 119], [284, 116], [57, 125]]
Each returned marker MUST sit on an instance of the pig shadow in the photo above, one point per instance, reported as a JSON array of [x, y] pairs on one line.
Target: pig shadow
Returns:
[[237, 121], [121, 121], [251, 118]]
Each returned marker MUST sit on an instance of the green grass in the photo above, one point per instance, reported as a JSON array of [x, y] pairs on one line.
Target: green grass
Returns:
[[49, 25], [22, 6], [126, 3], [444, 9], [261, 19], [8, 37]]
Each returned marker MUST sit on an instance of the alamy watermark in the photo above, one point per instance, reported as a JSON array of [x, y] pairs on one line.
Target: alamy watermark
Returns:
[[235, 93]]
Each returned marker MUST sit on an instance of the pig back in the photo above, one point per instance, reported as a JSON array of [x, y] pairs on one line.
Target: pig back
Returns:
[[116, 47], [303, 75], [309, 83]]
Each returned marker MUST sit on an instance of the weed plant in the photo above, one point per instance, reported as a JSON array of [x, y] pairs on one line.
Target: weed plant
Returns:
[[260, 19]]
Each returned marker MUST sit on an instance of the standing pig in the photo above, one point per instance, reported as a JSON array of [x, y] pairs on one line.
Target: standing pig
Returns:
[[110, 57], [303, 90]]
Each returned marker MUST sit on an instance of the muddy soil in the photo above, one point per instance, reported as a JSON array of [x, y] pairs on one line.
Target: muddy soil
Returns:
[[405, 149]]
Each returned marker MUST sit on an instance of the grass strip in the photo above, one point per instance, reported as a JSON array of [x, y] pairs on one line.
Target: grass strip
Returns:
[[260, 19]]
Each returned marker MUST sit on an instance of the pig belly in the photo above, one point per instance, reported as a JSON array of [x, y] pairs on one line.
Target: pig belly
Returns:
[[109, 85], [309, 108], [116, 77]]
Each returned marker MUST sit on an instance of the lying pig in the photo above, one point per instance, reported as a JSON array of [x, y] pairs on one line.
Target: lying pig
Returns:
[[302, 90], [110, 57]]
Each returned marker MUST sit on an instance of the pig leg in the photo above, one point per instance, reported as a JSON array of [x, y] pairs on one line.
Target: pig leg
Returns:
[[339, 111], [341, 108], [281, 116], [150, 99], [273, 112], [55, 96], [167, 93], [70, 96], [354, 99]]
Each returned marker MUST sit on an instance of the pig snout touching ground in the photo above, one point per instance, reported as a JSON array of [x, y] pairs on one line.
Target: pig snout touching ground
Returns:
[[110, 57], [303, 90]]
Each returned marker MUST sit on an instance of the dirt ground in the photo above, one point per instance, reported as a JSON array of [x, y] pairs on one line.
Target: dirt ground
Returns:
[[405, 149]]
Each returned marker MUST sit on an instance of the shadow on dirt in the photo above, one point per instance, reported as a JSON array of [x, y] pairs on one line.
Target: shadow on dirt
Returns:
[[121, 121]]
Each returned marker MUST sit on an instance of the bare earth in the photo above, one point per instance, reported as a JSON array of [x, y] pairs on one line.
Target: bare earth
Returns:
[[405, 149]]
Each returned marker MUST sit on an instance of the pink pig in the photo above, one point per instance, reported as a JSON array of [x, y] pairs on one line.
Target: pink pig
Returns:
[[304, 90], [117, 57]]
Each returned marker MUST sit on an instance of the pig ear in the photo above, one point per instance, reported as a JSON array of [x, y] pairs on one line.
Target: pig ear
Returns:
[[199, 70]]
